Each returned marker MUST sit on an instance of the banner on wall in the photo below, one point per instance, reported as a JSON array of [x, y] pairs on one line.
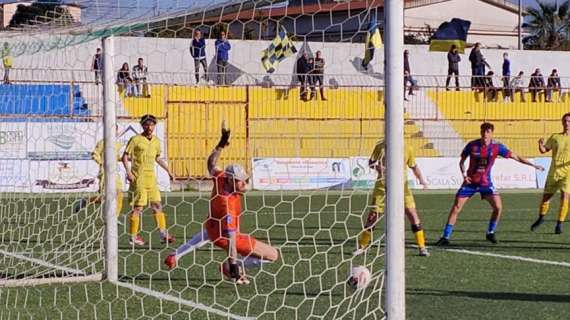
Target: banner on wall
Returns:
[[363, 177], [63, 176], [62, 140], [14, 175], [300, 173], [13, 140], [443, 173], [541, 175]]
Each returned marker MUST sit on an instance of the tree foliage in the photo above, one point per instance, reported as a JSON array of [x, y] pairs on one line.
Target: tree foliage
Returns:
[[548, 25]]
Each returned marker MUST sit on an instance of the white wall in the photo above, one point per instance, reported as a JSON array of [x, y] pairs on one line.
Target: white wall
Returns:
[[343, 61], [487, 20]]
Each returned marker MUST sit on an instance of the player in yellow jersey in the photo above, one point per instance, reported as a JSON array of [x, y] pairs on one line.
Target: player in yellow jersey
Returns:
[[143, 150], [558, 176], [378, 161], [97, 156]]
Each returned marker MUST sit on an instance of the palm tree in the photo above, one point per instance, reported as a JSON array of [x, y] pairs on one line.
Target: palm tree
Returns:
[[548, 25]]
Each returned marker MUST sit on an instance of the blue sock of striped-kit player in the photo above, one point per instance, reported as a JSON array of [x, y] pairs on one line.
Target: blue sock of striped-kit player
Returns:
[[447, 231], [492, 226]]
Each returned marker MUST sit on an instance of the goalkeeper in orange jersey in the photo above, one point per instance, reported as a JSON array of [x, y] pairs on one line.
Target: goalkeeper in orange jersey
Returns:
[[223, 223], [97, 156], [558, 175], [378, 161], [143, 150]]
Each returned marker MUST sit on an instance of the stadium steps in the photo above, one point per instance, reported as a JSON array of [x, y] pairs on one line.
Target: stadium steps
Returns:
[[518, 125]]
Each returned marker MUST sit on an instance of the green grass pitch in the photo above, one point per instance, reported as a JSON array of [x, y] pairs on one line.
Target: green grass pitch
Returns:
[[515, 279]]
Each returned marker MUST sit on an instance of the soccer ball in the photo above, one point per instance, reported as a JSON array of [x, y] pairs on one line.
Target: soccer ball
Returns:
[[359, 277]]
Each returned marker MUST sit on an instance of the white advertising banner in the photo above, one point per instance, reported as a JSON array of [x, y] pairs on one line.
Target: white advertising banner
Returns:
[[63, 176], [361, 175], [62, 140], [14, 175], [13, 140], [300, 173], [443, 173]]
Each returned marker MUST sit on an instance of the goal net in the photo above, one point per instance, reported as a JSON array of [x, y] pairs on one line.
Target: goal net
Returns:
[[302, 127]]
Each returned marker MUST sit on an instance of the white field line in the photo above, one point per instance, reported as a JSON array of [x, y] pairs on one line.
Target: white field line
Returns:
[[42, 263], [509, 257], [188, 303]]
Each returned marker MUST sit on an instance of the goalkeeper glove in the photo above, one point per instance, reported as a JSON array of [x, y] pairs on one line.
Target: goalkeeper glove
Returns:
[[225, 139]]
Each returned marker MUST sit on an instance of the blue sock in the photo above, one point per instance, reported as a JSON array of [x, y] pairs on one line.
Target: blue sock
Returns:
[[447, 231], [492, 226]]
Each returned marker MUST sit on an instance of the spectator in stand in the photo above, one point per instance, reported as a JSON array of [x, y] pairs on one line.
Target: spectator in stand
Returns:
[[318, 75], [453, 60], [553, 84], [478, 64], [490, 91], [7, 62], [517, 85], [311, 78], [536, 84], [97, 65], [124, 80], [408, 76], [303, 68], [140, 72], [223, 48], [198, 52], [506, 75]]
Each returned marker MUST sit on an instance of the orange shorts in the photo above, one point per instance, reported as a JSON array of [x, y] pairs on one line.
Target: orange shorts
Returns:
[[244, 242]]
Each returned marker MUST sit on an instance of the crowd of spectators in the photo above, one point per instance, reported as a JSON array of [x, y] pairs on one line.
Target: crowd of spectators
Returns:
[[483, 81]]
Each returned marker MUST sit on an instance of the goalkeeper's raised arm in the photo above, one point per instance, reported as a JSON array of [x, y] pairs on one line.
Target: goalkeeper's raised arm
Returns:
[[215, 155]]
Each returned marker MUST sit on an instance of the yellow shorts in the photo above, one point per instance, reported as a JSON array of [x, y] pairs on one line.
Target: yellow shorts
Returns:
[[143, 191], [553, 185], [118, 183], [379, 196]]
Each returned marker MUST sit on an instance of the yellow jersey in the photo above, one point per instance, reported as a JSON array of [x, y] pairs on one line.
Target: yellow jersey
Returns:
[[143, 153], [379, 155], [98, 157], [559, 143]]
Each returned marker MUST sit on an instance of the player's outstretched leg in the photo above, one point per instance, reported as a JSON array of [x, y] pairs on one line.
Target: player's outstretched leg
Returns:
[[197, 241], [497, 205], [255, 254], [451, 220]]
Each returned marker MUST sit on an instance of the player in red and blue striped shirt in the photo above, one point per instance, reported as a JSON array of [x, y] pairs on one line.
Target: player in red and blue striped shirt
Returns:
[[482, 154]]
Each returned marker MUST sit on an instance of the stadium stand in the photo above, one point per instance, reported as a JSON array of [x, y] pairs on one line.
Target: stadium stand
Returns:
[[267, 122], [21, 102], [518, 125]]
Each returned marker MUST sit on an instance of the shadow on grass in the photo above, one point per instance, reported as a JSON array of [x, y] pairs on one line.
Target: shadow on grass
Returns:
[[510, 296]]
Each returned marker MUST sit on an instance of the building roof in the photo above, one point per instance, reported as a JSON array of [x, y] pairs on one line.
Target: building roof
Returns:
[[336, 6]]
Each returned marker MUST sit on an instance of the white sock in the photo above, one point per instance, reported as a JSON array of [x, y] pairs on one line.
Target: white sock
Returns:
[[197, 241], [250, 261]]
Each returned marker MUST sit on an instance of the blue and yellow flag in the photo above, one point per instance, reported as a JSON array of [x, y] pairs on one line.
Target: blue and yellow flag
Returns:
[[449, 33], [280, 48], [373, 41]]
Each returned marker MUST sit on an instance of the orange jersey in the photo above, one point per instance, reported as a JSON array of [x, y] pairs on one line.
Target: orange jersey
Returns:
[[225, 208]]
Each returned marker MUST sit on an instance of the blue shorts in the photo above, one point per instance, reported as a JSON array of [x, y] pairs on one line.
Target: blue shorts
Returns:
[[468, 190]]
